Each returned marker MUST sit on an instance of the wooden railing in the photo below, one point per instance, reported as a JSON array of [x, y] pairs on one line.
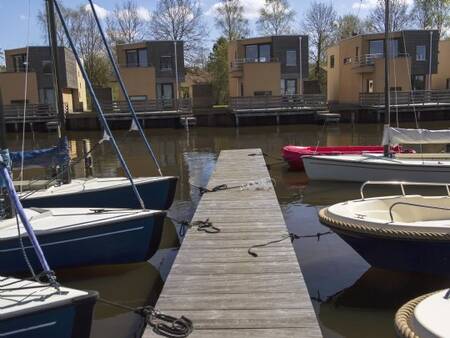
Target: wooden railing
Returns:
[[34, 113], [150, 105], [278, 102], [423, 97], [237, 63]]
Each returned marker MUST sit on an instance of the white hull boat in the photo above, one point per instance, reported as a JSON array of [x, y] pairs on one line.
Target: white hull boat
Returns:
[[425, 316], [373, 167], [33, 310]]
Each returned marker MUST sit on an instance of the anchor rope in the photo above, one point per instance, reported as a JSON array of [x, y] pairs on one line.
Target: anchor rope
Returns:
[[205, 226], [162, 324], [290, 235], [258, 185]]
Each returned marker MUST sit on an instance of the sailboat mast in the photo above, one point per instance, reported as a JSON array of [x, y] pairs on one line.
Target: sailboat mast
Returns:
[[59, 106], [2, 125], [387, 103]]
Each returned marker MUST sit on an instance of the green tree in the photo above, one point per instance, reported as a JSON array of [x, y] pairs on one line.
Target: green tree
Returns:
[[347, 26], [276, 18], [432, 14], [230, 19], [218, 68]]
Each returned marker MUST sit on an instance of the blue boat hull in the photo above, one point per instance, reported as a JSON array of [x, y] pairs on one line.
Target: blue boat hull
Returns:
[[157, 195], [125, 241], [428, 256], [67, 321]]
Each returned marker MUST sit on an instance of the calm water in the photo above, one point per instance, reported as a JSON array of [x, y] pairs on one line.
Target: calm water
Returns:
[[350, 298]]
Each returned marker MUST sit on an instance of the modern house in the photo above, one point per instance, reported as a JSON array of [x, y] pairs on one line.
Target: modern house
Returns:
[[151, 69], [355, 65], [441, 80], [40, 80], [269, 66]]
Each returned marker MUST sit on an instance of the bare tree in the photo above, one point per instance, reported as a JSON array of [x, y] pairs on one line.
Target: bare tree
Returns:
[[86, 37], [347, 26], [276, 18], [180, 20], [230, 19], [319, 23], [432, 14], [126, 25], [399, 16], [68, 14]]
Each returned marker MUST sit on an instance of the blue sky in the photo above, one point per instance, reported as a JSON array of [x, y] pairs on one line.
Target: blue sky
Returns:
[[14, 15]]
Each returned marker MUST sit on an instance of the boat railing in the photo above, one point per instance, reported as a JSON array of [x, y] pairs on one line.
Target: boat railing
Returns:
[[402, 185], [414, 205]]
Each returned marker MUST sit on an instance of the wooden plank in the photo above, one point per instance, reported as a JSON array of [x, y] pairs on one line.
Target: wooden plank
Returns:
[[217, 284]]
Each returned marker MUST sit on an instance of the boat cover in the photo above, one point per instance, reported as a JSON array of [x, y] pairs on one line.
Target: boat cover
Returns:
[[50, 157], [415, 136]]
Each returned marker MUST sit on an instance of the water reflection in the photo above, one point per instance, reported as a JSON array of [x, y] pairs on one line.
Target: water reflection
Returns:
[[351, 299]]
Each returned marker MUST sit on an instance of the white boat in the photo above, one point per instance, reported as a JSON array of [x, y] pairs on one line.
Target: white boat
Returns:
[[425, 316], [34, 310], [403, 232], [72, 237], [372, 167]]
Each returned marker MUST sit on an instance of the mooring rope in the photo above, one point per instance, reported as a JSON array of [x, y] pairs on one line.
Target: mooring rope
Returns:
[[162, 324], [290, 235], [205, 226], [261, 184]]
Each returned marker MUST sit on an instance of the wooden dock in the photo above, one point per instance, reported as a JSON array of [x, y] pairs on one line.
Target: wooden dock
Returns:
[[215, 282]]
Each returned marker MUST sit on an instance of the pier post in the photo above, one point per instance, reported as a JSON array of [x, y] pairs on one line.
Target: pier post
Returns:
[[88, 163]]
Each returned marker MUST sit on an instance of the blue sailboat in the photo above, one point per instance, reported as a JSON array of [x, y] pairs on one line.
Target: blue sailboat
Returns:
[[32, 309]]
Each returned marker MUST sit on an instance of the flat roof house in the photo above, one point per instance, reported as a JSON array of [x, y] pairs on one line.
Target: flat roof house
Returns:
[[40, 80], [268, 65], [355, 65], [148, 68]]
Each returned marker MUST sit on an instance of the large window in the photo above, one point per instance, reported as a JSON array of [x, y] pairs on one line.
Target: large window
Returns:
[[47, 67], [418, 82], [288, 86], [137, 57], [376, 47], [421, 53], [19, 62], [331, 61], [258, 53], [291, 58], [165, 63]]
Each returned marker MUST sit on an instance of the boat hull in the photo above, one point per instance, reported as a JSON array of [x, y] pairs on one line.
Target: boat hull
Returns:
[[63, 321], [119, 242], [410, 255], [158, 194], [326, 169], [293, 155]]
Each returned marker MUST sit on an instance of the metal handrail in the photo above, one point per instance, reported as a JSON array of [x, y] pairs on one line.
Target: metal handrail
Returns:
[[402, 185], [413, 205]]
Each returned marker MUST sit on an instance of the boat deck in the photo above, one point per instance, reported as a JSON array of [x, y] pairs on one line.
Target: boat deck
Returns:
[[215, 282]]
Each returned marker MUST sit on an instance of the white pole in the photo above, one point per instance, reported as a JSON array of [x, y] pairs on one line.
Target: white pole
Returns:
[[429, 61], [176, 68], [300, 83]]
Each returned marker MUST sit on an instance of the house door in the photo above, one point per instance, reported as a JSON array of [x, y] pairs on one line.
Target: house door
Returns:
[[370, 86], [165, 90]]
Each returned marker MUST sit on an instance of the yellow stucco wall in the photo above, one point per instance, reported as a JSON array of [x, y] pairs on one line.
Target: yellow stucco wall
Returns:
[[139, 81], [333, 74], [261, 77], [82, 94], [12, 86], [439, 80], [68, 100]]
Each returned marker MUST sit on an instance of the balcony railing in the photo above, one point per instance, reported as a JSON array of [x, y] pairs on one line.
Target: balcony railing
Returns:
[[369, 59], [277, 102], [415, 97], [237, 63], [13, 113], [149, 105]]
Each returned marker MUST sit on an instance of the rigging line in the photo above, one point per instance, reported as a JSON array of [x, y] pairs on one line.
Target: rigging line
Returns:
[[98, 107], [124, 90], [395, 85], [25, 97], [410, 79]]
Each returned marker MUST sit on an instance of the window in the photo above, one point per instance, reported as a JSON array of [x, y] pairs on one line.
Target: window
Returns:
[[47, 96], [165, 63], [331, 61], [165, 91], [138, 98], [258, 53], [421, 53], [393, 48], [46, 67], [264, 53], [418, 82], [137, 57], [357, 52], [376, 47], [370, 86], [291, 58], [19, 62], [251, 53], [263, 93], [288, 86], [347, 61]]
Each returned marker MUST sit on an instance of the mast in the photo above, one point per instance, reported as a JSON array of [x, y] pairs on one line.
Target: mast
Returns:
[[2, 125], [5, 203], [55, 67], [387, 103], [59, 105]]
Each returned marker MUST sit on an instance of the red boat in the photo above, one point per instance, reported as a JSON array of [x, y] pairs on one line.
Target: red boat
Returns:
[[293, 154]]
